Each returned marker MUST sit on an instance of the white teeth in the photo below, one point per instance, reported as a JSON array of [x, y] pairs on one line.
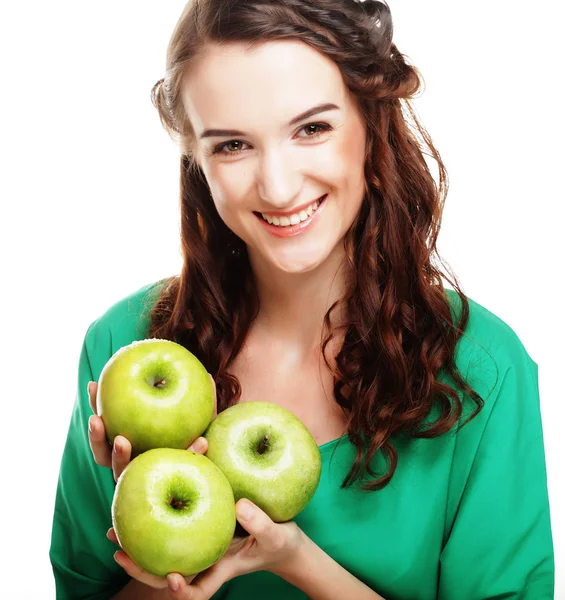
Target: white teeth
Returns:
[[292, 219]]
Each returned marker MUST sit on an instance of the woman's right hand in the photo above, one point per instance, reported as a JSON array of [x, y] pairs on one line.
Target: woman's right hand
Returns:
[[118, 456]]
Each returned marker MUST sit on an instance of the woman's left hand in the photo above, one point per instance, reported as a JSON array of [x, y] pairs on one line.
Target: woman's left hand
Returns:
[[268, 547]]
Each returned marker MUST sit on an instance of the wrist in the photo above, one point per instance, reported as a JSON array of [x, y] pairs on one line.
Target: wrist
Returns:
[[296, 558]]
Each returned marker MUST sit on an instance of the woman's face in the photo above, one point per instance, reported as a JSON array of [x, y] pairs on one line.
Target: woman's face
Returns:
[[272, 163]]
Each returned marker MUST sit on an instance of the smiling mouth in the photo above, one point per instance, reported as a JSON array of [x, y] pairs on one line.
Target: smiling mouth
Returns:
[[283, 221]]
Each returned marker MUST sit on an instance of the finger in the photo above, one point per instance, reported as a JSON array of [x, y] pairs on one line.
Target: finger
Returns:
[[133, 570], [240, 532], [121, 455], [199, 445], [92, 391], [98, 443], [111, 535], [202, 587], [257, 522], [215, 397], [179, 587]]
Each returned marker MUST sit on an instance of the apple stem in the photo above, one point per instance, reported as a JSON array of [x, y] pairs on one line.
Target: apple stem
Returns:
[[263, 444], [160, 383], [177, 504]]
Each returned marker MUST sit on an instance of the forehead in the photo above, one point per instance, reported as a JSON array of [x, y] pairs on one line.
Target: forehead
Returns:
[[231, 85]]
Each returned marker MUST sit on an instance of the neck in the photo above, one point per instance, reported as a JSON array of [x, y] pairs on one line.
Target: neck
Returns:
[[292, 306]]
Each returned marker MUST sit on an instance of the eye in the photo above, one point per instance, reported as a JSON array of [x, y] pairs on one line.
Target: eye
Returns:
[[319, 128], [220, 148], [315, 129]]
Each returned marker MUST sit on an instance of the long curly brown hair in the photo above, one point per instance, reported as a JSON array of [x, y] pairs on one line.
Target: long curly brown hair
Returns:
[[401, 330]]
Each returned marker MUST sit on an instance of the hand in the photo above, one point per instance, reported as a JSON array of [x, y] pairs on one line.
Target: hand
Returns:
[[200, 445], [118, 456], [268, 547]]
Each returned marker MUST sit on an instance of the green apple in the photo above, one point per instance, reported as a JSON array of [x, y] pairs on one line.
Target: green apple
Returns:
[[155, 393], [173, 512], [268, 456]]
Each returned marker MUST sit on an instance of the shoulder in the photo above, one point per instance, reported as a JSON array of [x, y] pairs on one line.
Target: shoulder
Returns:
[[487, 338], [122, 323], [494, 361]]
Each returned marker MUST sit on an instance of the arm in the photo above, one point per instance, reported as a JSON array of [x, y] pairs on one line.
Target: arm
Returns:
[[320, 577], [80, 553], [499, 544], [281, 548]]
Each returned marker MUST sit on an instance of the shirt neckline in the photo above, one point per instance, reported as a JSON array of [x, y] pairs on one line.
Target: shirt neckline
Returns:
[[328, 446]]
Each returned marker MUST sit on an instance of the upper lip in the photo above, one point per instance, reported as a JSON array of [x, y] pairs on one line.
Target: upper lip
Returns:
[[294, 211]]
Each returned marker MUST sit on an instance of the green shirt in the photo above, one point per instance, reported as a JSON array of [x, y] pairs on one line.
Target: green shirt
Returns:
[[465, 516]]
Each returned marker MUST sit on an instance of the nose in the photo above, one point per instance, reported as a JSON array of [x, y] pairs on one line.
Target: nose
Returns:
[[279, 181]]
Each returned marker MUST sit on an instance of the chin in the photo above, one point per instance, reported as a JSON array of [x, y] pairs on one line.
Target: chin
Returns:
[[296, 267], [304, 263], [299, 255]]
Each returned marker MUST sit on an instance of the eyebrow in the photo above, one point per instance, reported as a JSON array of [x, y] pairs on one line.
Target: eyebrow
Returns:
[[301, 117]]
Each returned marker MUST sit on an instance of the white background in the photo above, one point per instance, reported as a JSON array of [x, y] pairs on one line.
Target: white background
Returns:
[[89, 193]]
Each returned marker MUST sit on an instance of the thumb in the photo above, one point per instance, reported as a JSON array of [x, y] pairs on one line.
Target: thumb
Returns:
[[254, 520]]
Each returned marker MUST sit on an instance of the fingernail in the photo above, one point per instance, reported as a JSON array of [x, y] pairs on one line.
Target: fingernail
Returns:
[[90, 427], [89, 387], [173, 583], [116, 557], [244, 511]]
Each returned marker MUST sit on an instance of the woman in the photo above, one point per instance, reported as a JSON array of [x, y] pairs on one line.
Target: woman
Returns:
[[308, 233]]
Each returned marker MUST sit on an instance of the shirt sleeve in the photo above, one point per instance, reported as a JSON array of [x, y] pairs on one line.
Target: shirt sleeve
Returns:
[[500, 544], [80, 553]]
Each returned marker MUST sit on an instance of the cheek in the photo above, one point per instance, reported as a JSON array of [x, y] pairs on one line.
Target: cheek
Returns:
[[353, 150], [344, 156], [227, 209], [348, 170], [228, 192]]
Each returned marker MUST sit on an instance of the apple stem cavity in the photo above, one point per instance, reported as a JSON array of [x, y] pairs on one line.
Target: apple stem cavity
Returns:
[[160, 384], [177, 504], [264, 444]]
